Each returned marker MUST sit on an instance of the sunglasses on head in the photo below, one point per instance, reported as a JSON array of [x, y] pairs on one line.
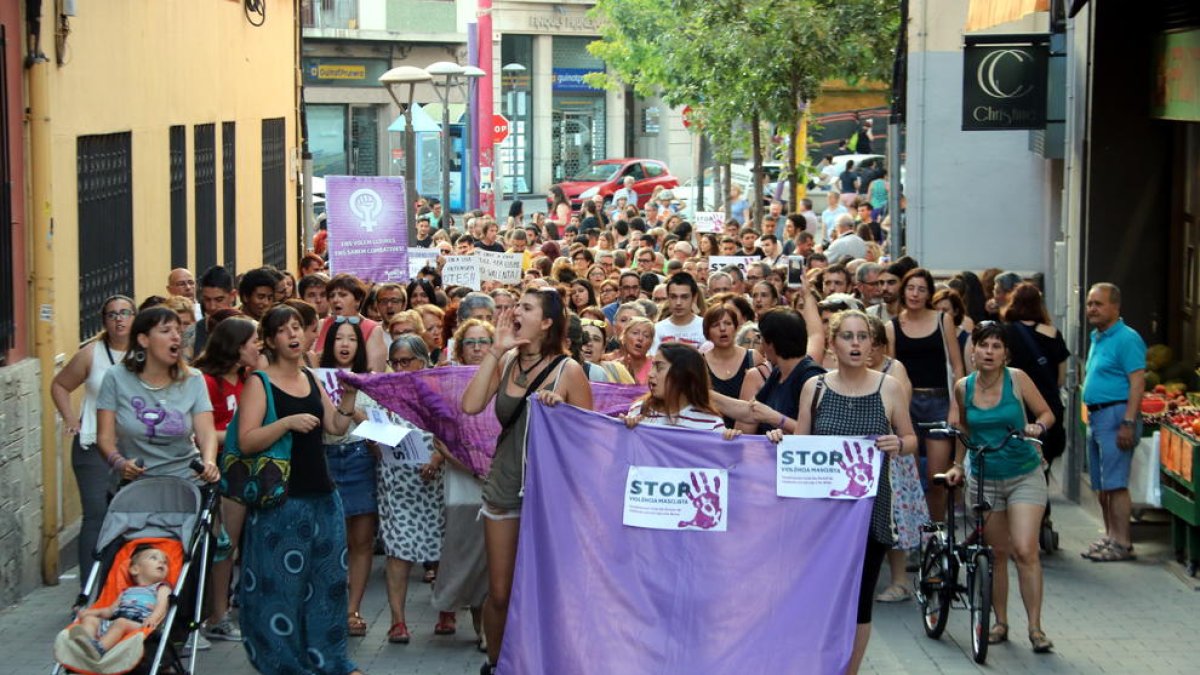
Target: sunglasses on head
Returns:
[[352, 320]]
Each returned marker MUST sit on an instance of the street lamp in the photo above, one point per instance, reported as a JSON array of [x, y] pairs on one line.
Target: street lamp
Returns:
[[512, 69], [449, 72], [471, 73], [409, 75]]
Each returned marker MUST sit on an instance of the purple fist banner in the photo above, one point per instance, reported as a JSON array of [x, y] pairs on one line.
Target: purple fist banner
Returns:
[[430, 400], [368, 227], [776, 592]]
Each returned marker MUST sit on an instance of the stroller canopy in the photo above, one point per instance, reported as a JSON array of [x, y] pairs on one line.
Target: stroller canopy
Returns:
[[159, 506]]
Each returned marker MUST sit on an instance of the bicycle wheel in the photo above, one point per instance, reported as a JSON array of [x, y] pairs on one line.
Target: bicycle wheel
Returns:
[[935, 585], [980, 604]]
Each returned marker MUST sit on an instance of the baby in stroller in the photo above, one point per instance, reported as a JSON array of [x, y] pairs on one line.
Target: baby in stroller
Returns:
[[143, 605]]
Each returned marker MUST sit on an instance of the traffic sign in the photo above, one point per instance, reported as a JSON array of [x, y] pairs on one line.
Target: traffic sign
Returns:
[[687, 116], [499, 128]]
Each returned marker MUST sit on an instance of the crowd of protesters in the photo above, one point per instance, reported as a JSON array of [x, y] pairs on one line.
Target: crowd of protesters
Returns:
[[855, 345]]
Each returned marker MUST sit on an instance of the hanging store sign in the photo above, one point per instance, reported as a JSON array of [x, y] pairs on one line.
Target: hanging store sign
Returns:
[[1177, 76], [343, 72], [1004, 83]]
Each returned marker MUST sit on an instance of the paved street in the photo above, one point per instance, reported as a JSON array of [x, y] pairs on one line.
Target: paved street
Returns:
[[1110, 618]]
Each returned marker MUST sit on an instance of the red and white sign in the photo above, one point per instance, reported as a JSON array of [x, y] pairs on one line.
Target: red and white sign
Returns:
[[687, 116], [499, 128]]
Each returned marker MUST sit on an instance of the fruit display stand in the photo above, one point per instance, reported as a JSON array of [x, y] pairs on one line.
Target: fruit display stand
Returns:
[[1180, 452]]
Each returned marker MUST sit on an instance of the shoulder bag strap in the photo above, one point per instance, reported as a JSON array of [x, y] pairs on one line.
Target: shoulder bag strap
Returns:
[[1031, 344], [270, 414], [816, 399], [533, 386]]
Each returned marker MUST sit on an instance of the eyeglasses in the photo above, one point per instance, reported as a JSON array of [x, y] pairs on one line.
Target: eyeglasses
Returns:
[[118, 314], [403, 362], [476, 342], [352, 320]]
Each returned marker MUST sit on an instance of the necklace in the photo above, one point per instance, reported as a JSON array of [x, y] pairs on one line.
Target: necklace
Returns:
[[984, 386], [522, 377], [152, 387]]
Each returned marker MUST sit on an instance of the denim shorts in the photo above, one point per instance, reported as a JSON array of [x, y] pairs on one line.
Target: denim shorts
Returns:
[[928, 406], [352, 466], [1108, 465]]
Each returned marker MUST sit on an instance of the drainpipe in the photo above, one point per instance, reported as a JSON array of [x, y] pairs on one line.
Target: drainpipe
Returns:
[[42, 280]]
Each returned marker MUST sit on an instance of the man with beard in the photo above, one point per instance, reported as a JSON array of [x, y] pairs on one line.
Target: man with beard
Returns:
[[888, 286]]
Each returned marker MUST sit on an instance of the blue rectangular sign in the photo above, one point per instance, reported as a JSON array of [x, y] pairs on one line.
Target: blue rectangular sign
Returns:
[[571, 79]]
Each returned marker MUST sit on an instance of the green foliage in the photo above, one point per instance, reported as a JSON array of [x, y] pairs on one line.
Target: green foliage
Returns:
[[728, 59]]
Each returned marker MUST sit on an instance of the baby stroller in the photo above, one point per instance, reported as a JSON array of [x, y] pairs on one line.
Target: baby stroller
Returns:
[[174, 516]]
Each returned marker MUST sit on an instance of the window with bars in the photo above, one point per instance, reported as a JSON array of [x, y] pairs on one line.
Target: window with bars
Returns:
[[229, 193], [105, 212], [8, 323], [205, 179], [177, 156], [274, 192]]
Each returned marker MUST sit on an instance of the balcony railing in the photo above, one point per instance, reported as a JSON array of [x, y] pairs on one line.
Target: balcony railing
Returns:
[[329, 13]]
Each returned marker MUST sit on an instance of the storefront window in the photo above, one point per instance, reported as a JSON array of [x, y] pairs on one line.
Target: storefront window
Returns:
[[516, 152], [344, 140], [578, 110], [327, 139]]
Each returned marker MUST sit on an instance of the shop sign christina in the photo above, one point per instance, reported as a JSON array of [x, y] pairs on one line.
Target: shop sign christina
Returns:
[[1004, 83]]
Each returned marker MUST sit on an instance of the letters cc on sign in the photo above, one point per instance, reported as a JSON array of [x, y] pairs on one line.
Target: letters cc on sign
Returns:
[[992, 84]]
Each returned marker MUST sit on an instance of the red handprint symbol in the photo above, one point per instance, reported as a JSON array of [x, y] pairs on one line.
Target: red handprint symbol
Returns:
[[860, 470], [707, 502]]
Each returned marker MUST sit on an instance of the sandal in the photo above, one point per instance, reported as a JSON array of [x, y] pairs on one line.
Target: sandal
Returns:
[[1096, 546], [356, 625], [999, 633], [895, 593], [398, 634], [430, 576], [1041, 644], [447, 624], [1114, 552]]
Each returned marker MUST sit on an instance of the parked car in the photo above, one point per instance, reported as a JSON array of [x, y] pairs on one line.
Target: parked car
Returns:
[[606, 176]]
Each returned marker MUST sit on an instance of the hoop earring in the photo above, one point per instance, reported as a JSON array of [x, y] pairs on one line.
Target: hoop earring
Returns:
[[139, 356]]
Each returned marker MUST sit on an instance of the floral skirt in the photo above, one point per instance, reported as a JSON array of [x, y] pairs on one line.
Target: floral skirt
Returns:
[[909, 510]]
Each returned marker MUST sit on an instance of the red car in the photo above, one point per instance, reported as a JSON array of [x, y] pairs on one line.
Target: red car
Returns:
[[606, 176]]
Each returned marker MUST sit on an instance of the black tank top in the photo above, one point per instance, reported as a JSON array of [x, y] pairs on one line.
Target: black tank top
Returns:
[[924, 358], [310, 473], [733, 386]]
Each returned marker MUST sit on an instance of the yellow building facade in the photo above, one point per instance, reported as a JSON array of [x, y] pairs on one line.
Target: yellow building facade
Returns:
[[158, 135]]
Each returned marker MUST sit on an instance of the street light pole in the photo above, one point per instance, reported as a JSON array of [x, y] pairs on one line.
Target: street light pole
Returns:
[[511, 70], [409, 75], [449, 72], [472, 75]]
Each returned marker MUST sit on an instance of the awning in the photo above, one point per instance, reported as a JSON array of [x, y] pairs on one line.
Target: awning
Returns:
[[984, 14], [422, 122]]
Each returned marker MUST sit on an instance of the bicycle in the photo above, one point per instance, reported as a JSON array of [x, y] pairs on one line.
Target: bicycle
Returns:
[[942, 555]]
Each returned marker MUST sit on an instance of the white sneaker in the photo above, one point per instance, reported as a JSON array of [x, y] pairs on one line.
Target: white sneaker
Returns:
[[225, 629], [201, 645]]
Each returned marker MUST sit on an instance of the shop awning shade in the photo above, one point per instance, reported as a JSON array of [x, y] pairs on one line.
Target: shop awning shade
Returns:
[[422, 122], [984, 14]]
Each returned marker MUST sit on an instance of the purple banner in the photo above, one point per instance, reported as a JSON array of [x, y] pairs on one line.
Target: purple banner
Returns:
[[430, 400], [368, 227], [776, 592]]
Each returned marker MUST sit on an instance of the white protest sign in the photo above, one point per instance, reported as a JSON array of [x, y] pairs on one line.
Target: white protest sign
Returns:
[[329, 382], [661, 498], [502, 267], [827, 467], [461, 270], [419, 258], [710, 221], [716, 262]]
